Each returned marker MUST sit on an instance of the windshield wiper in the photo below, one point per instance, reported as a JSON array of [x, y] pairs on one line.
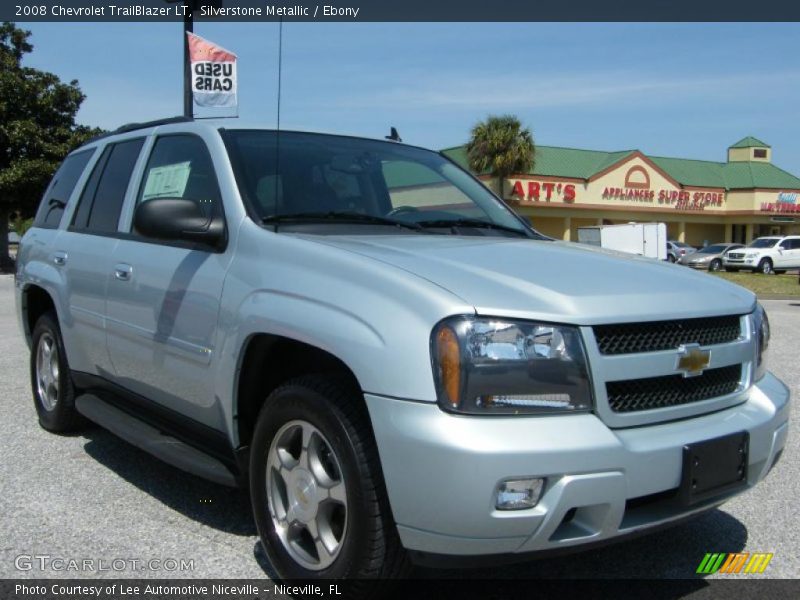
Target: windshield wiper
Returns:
[[477, 223], [338, 217]]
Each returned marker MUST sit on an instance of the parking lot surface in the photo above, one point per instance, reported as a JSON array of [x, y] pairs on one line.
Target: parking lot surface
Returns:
[[92, 496]]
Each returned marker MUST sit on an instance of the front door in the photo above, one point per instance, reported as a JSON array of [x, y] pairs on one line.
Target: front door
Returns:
[[164, 298]]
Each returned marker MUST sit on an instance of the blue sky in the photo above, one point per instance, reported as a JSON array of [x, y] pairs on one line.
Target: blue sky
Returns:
[[687, 90]]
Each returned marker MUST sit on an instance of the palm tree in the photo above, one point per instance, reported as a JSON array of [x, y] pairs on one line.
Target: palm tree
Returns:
[[500, 146]]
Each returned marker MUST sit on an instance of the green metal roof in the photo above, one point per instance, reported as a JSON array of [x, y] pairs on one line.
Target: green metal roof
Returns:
[[582, 164], [750, 142]]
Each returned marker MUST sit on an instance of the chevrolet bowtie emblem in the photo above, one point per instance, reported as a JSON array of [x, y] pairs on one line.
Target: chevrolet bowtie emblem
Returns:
[[692, 360]]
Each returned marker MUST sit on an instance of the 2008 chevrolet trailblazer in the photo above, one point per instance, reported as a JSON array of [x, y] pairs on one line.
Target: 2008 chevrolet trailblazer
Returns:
[[397, 365]]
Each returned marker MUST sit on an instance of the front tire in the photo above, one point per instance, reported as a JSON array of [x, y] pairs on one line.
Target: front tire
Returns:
[[316, 486], [53, 391], [716, 265], [765, 266]]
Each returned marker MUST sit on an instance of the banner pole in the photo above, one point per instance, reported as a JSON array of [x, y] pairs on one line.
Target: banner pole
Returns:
[[188, 109]]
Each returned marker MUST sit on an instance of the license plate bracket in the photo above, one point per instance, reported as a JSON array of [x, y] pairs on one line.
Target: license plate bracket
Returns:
[[714, 467]]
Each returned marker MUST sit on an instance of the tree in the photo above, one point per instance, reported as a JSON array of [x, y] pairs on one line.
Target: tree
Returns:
[[501, 147], [37, 130]]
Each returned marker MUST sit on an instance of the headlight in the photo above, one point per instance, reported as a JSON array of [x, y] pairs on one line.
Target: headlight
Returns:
[[495, 366], [751, 255], [761, 332]]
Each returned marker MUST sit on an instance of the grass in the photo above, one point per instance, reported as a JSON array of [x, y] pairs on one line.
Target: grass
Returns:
[[765, 286]]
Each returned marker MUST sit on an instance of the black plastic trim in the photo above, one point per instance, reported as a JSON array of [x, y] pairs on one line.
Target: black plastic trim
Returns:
[[211, 441]]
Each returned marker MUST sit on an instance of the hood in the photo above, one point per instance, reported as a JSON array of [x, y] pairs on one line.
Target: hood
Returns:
[[553, 281]]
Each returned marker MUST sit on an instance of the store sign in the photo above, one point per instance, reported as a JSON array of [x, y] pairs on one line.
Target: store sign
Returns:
[[681, 199], [786, 202], [544, 190]]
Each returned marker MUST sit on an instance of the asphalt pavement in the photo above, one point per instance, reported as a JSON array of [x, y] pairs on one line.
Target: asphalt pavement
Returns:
[[94, 497]]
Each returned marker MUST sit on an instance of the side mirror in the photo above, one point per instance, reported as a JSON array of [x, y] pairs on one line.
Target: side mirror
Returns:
[[178, 219]]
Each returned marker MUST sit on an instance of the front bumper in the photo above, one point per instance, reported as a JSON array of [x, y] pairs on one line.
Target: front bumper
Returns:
[[442, 471], [697, 265]]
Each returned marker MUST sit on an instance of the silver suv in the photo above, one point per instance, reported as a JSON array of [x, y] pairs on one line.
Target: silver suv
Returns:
[[397, 366], [766, 255]]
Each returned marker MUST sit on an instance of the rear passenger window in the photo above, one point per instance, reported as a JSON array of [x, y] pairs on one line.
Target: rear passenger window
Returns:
[[104, 194], [180, 167], [60, 189]]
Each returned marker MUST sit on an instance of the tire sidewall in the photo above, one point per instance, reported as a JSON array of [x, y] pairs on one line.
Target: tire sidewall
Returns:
[[62, 415], [716, 265], [765, 266], [289, 404]]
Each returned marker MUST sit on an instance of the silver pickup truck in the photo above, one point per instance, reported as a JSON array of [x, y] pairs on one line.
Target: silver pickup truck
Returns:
[[398, 367]]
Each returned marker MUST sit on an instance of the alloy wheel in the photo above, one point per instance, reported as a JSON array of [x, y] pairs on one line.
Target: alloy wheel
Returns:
[[47, 371], [307, 495]]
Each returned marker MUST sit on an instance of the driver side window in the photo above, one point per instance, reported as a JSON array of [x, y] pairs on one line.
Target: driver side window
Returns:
[[180, 167]]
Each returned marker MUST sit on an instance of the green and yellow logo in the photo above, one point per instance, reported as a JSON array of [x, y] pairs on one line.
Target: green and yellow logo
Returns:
[[734, 562]]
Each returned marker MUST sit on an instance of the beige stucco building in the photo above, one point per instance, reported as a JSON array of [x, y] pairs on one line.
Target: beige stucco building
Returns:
[[702, 202]]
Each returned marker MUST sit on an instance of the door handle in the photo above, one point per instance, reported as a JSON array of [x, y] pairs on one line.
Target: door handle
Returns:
[[123, 272], [60, 259]]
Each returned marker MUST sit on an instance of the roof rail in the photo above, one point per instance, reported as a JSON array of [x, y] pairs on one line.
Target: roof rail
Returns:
[[134, 126], [144, 125]]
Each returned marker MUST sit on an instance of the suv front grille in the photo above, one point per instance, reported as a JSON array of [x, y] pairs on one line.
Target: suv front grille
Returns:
[[672, 390], [736, 255], [631, 338]]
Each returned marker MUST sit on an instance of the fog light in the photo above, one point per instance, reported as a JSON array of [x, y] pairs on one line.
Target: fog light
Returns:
[[518, 494]]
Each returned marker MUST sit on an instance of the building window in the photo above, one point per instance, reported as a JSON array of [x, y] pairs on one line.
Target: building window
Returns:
[[759, 153], [637, 178]]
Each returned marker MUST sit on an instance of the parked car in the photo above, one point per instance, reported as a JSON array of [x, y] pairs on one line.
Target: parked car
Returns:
[[392, 361], [677, 250], [766, 255], [708, 258]]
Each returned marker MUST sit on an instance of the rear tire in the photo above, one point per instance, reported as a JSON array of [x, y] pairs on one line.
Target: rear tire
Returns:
[[765, 266], [670, 258], [315, 480], [51, 383]]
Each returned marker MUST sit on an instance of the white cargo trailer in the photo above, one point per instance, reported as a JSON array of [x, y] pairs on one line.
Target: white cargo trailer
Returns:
[[645, 239]]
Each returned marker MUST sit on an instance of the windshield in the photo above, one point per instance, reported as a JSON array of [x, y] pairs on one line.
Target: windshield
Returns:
[[681, 244], [763, 243], [712, 249], [329, 180]]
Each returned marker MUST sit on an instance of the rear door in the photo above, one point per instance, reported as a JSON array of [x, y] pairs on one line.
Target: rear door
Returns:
[[793, 254], [164, 297], [783, 256], [84, 252]]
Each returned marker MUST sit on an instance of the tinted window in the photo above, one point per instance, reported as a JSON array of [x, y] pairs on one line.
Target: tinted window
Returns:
[[716, 249], [180, 167], [786, 245], [60, 189], [763, 243], [101, 201], [312, 174]]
